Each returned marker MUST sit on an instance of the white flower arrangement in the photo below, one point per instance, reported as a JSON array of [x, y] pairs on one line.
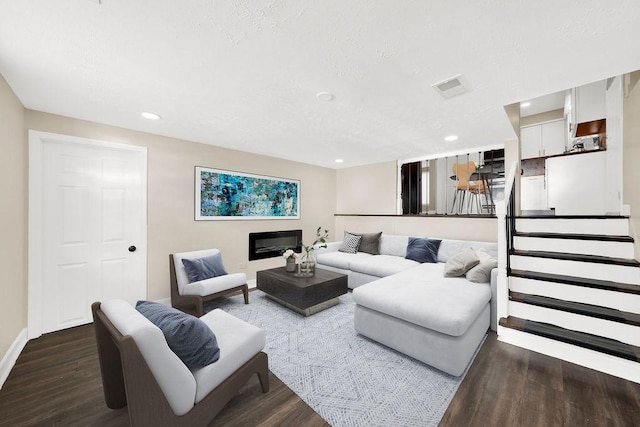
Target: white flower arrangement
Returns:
[[289, 254]]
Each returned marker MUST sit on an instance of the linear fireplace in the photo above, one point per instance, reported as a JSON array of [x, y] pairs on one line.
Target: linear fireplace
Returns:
[[271, 244]]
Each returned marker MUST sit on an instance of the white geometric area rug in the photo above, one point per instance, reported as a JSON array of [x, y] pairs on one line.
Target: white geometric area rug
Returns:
[[346, 378]]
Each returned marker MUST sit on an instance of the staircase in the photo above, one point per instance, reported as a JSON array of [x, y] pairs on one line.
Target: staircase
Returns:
[[572, 291]]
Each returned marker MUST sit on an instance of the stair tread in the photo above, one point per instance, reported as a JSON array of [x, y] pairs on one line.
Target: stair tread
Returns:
[[598, 237], [577, 308], [578, 257], [577, 281], [581, 339]]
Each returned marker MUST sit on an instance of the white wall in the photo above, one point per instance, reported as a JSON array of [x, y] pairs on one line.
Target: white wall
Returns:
[[369, 189], [13, 199], [512, 150], [448, 227], [631, 154]]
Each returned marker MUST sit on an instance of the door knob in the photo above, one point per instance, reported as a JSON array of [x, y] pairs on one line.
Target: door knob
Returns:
[[132, 248]]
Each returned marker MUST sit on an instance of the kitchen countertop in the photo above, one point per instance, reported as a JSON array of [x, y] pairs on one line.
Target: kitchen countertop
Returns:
[[570, 153]]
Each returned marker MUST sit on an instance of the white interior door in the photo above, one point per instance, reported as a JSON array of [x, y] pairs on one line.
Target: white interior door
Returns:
[[89, 226]]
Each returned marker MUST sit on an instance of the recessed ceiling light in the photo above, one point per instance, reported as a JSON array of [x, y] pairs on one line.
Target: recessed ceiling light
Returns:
[[324, 96], [150, 116], [339, 161], [525, 104], [451, 138]]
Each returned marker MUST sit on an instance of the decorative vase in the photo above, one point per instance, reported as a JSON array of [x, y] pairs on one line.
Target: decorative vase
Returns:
[[291, 265], [308, 265]]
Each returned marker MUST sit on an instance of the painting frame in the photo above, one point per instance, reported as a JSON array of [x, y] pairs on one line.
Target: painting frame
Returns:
[[230, 195]]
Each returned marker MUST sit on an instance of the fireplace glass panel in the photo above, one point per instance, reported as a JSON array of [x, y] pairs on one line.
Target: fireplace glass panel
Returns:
[[272, 243]]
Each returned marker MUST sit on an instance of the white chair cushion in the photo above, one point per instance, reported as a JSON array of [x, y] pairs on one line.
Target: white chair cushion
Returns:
[[208, 286], [176, 381], [239, 341], [215, 284]]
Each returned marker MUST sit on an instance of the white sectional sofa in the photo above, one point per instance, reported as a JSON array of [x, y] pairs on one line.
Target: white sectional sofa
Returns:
[[412, 307]]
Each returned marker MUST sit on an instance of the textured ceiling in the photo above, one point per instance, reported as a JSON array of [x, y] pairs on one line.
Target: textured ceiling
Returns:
[[543, 104], [244, 74]]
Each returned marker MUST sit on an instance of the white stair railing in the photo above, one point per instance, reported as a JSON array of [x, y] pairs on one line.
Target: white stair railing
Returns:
[[505, 212]]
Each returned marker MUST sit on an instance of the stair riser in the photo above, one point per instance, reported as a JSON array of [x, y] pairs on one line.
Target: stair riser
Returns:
[[619, 300], [610, 226], [574, 246], [602, 362], [612, 272], [577, 322]]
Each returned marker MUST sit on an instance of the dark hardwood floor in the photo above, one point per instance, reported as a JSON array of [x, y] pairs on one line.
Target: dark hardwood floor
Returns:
[[56, 381], [511, 386]]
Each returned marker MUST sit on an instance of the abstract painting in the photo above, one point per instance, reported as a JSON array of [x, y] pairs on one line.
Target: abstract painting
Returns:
[[224, 195]]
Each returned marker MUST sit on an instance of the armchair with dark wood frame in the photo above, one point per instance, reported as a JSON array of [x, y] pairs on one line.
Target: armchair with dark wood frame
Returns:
[[205, 290], [128, 380]]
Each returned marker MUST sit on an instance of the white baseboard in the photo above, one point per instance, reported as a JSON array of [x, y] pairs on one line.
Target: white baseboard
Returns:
[[11, 356], [251, 284]]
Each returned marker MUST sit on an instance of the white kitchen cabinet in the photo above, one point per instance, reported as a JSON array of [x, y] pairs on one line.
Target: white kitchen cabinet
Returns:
[[542, 140], [588, 103], [530, 141], [576, 184], [533, 193], [553, 138]]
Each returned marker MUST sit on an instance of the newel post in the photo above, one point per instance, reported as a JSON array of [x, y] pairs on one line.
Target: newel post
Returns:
[[503, 284]]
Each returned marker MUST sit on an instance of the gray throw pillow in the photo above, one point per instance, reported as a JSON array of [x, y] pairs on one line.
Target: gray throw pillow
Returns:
[[204, 268], [481, 273], [370, 242], [350, 243], [460, 263], [423, 250], [187, 336]]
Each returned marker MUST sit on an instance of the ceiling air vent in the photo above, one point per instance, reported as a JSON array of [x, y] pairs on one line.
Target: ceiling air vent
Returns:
[[453, 86]]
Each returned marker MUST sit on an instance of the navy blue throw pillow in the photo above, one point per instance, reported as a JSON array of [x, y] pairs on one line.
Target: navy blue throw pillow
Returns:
[[204, 268], [423, 250], [187, 336]]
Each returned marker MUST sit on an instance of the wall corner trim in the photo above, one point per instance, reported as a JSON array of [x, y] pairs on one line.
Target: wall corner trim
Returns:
[[11, 356]]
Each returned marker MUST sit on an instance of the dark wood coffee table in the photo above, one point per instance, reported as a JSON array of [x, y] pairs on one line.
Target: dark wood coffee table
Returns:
[[304, 295]]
